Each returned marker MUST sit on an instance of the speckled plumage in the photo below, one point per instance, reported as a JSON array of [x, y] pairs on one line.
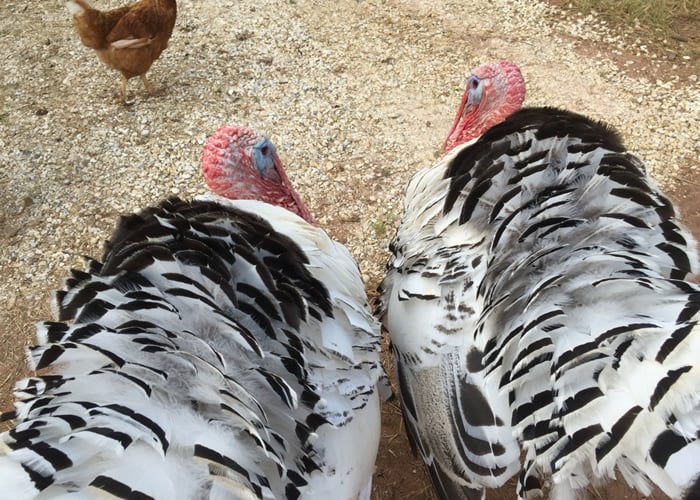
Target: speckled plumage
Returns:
[[220, 349], [537, 301]]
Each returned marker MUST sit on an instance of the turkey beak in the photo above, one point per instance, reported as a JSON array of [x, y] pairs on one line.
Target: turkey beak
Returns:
[[465, 109]]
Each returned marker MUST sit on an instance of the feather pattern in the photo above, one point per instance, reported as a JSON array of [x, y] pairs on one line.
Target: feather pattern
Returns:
[[537, 298], [220, 349]]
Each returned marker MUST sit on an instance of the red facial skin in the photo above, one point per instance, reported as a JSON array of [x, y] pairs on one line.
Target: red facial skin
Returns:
[[494, 91], [240, 163]]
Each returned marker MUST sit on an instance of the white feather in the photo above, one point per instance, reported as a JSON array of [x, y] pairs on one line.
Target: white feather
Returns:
[[184, 376], [542, 271]]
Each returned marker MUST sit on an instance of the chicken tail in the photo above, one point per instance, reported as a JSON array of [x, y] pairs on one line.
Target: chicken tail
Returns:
[[77, 7], [93, 25]]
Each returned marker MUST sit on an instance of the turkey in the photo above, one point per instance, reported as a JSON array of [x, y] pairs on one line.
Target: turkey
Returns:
[[220, 349], [538, 308]]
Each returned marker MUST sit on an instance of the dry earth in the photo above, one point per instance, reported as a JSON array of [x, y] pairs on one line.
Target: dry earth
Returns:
[[357, 95]]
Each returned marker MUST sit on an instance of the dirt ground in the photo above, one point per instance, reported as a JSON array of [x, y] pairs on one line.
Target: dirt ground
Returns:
[[361, 100]]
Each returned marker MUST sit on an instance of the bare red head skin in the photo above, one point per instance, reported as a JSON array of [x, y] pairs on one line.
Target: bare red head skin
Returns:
[[495, 90], [240, 163]]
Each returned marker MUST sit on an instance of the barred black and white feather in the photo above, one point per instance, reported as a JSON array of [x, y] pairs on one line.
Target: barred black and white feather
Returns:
[[219, 350], [537, 299]]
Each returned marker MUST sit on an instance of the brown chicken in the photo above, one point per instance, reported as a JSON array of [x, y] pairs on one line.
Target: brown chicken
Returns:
[[129, 38]]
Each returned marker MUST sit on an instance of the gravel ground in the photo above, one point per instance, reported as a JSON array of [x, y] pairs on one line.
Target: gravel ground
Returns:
[[356, 95]]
